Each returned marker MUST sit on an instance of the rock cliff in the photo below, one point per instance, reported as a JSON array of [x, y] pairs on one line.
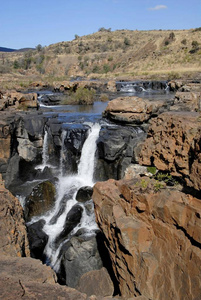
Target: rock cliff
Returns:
[[173, 145], [153, 238]]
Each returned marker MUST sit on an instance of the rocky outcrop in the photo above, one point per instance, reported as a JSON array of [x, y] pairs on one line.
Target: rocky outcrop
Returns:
[[117, 147], [153, 238], [5, 145], [13, 236], [184, 86], [26, 278], [187, 101], [18, 101], [133, 110], [74, 85], [173, 145]]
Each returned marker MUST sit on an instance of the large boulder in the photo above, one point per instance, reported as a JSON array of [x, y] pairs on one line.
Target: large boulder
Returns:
[[37, 239], [173, 145], [187, 101], [154, 239], [133, 110], [40, 200], [72, 220], [80, 256], [84, 194]]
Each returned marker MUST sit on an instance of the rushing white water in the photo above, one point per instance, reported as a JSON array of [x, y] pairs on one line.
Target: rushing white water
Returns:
[[86, 165], [45, 154], [63, 136], [67, 188]]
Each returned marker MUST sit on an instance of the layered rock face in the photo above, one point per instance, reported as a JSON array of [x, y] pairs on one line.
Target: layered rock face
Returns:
[[173, 144], [153, 238], [19, 101], [13, 236], [133, 109]]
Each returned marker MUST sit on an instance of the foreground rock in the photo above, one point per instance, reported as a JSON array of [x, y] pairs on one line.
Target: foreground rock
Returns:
[[133, 110], [96, 282], [80, 256], [153, 239], [13, 236], [173, 145], [26, 278]]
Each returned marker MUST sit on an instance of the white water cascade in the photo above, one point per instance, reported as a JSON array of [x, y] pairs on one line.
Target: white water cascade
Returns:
[[86, 165], [67, 188], [45, 155], [63, 136]]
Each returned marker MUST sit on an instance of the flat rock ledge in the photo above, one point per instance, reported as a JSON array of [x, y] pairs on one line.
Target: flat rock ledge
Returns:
[[133, 110]]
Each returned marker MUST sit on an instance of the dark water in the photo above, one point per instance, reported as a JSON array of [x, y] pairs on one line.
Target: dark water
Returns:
[[93, 113]]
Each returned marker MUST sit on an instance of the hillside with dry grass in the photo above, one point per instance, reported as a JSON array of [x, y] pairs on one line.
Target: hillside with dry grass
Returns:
[[156, 54]]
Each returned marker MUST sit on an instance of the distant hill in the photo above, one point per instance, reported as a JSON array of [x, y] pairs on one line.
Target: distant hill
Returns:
[[155, 54], [3, 49], [24, 49]]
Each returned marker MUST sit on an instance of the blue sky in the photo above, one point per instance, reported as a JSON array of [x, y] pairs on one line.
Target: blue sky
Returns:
[[26, 23]]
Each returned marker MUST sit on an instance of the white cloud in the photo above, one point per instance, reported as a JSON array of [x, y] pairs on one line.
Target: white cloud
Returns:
[[158, 7]]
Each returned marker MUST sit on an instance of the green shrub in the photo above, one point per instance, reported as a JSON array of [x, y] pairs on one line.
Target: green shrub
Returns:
[[81, 96], [106, 68], [152, 170], [158, 186], [127, 41], [104, 98], [184, 41], [195, 44]]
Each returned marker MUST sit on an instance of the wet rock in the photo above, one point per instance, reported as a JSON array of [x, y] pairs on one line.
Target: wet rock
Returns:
[[81, 256], [37, 238], [62, 205], [40, 200], [115, 151], [96, 282], [84, 194], [72, 219], [75, 136]]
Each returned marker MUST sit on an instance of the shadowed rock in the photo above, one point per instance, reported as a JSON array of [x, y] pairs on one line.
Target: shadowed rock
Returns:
[[84, 194]]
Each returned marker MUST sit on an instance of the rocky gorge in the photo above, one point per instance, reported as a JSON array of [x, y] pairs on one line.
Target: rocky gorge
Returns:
[[149, 239]]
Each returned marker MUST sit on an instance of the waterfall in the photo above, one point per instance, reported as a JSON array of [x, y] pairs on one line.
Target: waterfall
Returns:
[[45, 156], [86, 165], [67, 188], [63, 136]]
